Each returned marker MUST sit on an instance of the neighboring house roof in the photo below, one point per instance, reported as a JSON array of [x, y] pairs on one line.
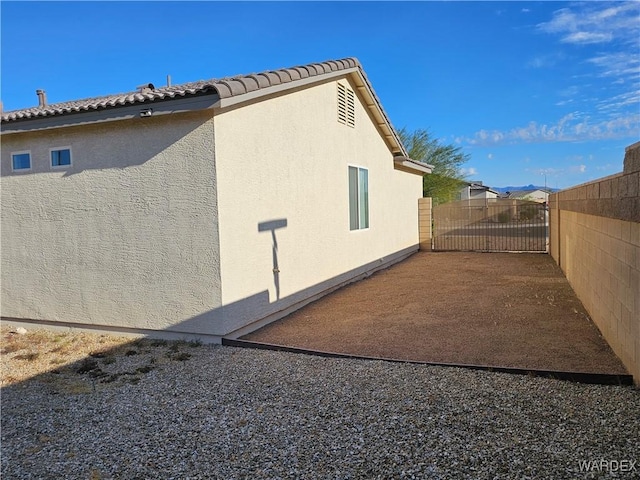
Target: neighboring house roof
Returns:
[[524, 193], [479, 187], [229, 91]]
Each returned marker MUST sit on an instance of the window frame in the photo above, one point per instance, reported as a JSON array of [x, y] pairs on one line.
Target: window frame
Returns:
[[22, 152], [59, 149], [366, 224]]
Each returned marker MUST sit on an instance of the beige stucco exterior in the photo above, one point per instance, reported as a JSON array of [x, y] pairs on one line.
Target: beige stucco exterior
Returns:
[[301, 176], [163, 224], [126, 237]]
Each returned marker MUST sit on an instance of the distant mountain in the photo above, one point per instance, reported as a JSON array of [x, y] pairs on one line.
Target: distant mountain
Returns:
[[522, 187]]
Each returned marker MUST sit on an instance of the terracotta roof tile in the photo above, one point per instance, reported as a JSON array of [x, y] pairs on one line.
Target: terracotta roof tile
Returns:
[[225, 87]]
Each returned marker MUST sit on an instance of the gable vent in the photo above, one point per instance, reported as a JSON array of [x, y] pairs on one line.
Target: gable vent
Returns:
[[346, 106]]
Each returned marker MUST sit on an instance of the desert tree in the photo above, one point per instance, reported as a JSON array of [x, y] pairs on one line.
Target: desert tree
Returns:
[[444, 183]]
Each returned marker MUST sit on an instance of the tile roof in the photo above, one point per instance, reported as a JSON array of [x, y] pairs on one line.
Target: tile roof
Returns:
[[524, 193], [230, 89], [225, 87]]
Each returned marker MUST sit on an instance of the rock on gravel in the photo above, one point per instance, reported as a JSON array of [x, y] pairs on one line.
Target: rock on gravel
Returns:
[[236, 413]]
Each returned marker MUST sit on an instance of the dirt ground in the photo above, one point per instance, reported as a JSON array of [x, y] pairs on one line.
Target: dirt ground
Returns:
[[491, 309], [77, 362]]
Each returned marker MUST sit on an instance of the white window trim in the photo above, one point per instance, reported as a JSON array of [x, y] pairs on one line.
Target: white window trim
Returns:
[[20, 170], [361, 167], [60, 167]]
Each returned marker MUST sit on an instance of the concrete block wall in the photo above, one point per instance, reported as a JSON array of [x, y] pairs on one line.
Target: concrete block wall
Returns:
[[424, 222], [595, 238]]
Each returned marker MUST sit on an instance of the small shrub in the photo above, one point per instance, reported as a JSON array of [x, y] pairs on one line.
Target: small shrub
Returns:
[[97, 373], [181, 357], [504, 217], [527, 212], [111, 378], [10, 348], [87, 365], [31, 356]]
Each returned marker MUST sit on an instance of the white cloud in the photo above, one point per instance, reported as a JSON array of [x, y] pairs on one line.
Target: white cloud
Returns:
[[617, 102], [558, 172], [525, 10], [563, 20], [609, 89], [570, 91], [546, 60], [595, 22], [587, 37], [617, 64], [537, 62], [572, 127], [490, 156], [615, 28], [549, 172], [465, 172]]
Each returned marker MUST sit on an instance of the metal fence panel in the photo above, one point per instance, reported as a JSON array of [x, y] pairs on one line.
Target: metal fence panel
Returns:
[[490, 225]]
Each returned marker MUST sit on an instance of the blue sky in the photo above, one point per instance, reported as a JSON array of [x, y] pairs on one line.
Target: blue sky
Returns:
[[528, 89]]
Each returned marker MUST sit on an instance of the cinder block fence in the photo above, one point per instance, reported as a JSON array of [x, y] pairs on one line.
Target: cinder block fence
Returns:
[[595, 238]]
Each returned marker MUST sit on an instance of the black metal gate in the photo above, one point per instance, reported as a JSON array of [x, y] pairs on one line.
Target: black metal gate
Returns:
[[490, 225]]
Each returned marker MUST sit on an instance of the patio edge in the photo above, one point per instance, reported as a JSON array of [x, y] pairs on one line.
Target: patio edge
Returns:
[[577, 377]]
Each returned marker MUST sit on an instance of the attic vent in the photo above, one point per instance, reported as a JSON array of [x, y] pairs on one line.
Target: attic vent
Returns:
[[346, 106], [146, 88]]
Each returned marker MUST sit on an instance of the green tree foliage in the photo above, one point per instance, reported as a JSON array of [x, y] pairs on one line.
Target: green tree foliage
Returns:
[[446, 180]]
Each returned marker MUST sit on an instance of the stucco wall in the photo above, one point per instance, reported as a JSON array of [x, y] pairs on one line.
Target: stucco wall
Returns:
[[126, 237], [595, 238], [300, 175]]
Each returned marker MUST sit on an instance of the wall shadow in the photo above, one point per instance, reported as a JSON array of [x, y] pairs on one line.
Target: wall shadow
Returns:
[[272, 226], [232, 319], [96, 370], [122, 144]]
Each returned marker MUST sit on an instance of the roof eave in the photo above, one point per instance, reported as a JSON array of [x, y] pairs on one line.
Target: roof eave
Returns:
[[125, 112], [374, 106], [219, 94], [408, 165]]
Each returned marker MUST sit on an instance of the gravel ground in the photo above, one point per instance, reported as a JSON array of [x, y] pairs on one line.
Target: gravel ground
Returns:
[[223, 412]]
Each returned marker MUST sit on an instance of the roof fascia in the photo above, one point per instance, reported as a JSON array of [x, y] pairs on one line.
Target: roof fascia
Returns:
[[411, 166], [383, 123], [140, 110]]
